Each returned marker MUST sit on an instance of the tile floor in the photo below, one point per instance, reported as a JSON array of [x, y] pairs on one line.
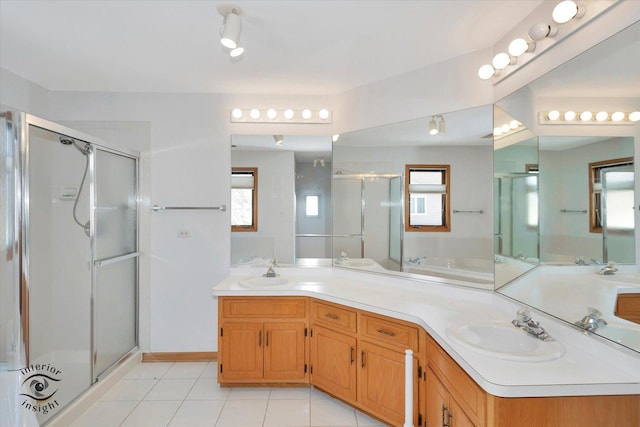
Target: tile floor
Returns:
[[187, 394]]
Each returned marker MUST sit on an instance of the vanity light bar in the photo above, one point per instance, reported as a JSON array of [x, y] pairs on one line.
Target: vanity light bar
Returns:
[[586, 117], [273, 115], [507, 129]]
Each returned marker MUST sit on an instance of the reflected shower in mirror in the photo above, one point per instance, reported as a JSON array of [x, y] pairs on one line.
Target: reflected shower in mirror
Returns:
[[292, 204], [413, 204], [586, 188], [515, 192]]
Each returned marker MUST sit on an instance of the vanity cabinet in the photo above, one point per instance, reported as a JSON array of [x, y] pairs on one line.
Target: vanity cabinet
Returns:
[[453, 398], [628, 307], [262, 340], [360, 357]]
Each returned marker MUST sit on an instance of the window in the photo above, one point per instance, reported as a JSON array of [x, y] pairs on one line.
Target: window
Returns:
[[427, 198], [312, 206], [617, 176], [244, 199]]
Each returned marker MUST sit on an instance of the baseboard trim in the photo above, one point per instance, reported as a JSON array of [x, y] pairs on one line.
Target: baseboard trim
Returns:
[[193, 356]]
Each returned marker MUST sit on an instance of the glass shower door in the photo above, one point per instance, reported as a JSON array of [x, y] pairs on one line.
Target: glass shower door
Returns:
[[618, 228], [116, 259]]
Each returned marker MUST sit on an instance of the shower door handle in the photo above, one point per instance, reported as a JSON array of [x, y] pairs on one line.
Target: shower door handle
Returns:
[[107, 261]]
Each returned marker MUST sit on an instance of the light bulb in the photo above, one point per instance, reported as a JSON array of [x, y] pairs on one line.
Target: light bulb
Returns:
[[634, 116], [236, 113], [288, 114], [553, 115], [514, 124], [335, 137], [565, 11], [497, 131], [236, 52], [255, 113], [272, 113], [500, 61], [617, 116], [486, 72], [505, 128], [323, 114], [570, 115], [540, 31], [519, 46], [601, 116], [585, 116], [306, 114]]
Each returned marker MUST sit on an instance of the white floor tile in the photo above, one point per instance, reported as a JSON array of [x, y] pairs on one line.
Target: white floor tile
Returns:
[[149, 370], [201, 413], [245, 413], [210, 371], [152, 414], [207, 389], [287, 413], [106, 414], [290, 393], [186, 370], [126, 389], [330, 412], [249, 393], [171, 389]]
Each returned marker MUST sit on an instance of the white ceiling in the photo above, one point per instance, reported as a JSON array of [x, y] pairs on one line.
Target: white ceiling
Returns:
[[292, 47]]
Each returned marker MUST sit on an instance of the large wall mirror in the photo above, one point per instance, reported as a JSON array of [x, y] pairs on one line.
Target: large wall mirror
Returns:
[[410, 203], [280, 200], [588, 206]]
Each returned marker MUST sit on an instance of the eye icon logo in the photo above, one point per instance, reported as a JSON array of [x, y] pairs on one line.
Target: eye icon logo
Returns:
[[39, 385]]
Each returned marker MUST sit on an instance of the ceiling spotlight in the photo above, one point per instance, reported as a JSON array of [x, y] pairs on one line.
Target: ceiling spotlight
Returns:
[[540, 31], [335, 137], [288, 114], [585, 116], [254, 113], [570, 115], [501, 60], [601, 116], [486, 72], [232, 25], [553, 115], [306, 114], [236, 52], [323, 114], [433, 126], [565, 11], [519, 46], [279, 139], [442, 125], [272, 113], [617, 116], [634, 116], [236, 113]]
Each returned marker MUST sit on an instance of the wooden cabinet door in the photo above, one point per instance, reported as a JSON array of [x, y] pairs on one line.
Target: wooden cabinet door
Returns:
[[437, 401], [333, 363], [241, 351], [284, 350], [457, 417], [381, 382]]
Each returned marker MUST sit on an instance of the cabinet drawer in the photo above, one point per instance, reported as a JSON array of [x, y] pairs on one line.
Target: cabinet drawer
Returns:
[[333, 316], [465, 391], [398, 334], [258, 307]]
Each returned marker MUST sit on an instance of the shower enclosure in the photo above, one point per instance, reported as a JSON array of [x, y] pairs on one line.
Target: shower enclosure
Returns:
[[73, 217]]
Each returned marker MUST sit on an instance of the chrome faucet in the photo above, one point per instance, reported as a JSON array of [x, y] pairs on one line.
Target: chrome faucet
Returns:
[[608, 270], [270, 271], [591, 321], [527, 324]]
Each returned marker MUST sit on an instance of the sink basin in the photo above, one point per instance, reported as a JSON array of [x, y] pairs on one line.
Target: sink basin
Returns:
[[355, 262], [261, 282], [499, 338]]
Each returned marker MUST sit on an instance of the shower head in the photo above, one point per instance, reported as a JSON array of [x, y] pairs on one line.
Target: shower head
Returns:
[[84, 149]]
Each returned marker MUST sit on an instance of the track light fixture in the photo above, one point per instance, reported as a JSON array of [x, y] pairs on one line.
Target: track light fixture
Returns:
[[436, 125], [230, 30], [279, 139]]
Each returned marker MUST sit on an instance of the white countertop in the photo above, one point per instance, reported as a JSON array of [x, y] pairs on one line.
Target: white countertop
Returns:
[[589, 366]]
